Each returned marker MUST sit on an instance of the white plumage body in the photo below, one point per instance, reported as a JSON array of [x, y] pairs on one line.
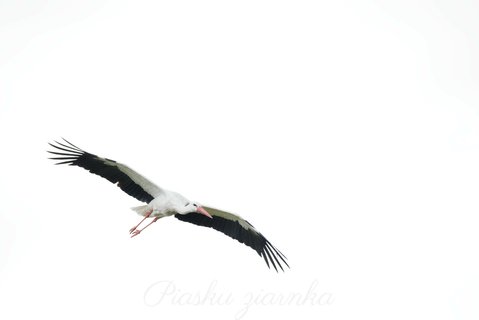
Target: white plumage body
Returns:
[[163, 205]]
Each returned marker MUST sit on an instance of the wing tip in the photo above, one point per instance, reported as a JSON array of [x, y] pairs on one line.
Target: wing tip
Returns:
[[68, 153], [271, 254]]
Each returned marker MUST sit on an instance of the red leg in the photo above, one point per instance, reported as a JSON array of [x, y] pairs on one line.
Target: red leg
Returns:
[[137, 232], [146, 216]]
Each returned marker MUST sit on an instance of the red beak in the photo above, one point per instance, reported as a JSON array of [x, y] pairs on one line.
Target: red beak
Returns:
[[203, 212]]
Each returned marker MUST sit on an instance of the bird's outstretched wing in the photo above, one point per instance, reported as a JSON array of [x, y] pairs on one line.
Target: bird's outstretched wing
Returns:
[[124, 177], [239, 229]]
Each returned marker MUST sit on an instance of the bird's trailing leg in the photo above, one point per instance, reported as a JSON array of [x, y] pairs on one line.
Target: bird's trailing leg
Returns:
[[147, 215], [137, 232]]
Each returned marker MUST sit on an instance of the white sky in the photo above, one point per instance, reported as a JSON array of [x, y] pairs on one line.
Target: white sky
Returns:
[[346, 131]]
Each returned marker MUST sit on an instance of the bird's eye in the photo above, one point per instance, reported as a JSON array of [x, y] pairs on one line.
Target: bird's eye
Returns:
[[187, 204], [195, 204]]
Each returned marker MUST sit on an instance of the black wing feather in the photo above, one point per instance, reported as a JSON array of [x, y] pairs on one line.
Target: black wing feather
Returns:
[[233, 229], [105, 168]]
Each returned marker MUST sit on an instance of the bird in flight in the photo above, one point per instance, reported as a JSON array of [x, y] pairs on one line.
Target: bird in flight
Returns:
[[163, 203]]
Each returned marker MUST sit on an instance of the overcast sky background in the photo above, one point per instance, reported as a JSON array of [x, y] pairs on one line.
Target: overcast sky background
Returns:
[[346, 131]]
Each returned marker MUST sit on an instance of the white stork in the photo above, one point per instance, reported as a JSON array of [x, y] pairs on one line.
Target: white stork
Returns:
[[162, 203]]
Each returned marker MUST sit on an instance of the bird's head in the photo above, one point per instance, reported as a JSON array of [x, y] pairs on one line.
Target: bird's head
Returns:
[[190, 207]]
